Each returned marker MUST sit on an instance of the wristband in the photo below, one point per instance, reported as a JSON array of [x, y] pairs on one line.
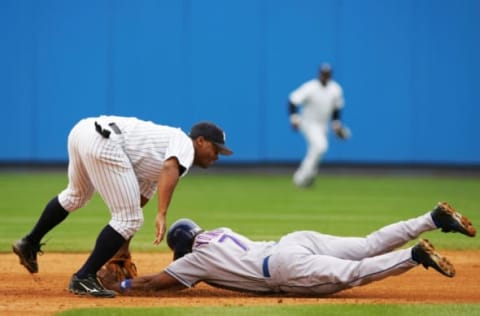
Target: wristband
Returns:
[[126, 285]]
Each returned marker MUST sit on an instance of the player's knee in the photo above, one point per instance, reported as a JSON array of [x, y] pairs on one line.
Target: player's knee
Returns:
[[133, 225], [72, 202], [317, 152], [127, 227]]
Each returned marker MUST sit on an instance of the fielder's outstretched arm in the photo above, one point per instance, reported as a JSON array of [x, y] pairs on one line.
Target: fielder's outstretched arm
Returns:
[[166, 185]]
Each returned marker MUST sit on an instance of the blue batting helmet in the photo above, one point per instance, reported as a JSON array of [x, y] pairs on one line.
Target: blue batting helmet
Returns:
[[180, 236]]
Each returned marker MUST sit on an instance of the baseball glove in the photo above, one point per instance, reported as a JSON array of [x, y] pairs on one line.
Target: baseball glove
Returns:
[[121, 268], [343, 132]]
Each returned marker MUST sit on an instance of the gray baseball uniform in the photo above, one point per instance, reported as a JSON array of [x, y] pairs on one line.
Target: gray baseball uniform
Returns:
[[303, 262], [121, 167]]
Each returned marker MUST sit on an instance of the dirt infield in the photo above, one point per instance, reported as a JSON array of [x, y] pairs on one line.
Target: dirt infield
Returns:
[[46, 294]]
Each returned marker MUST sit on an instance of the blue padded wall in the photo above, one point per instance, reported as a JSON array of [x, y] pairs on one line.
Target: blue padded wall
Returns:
[[409, 70]]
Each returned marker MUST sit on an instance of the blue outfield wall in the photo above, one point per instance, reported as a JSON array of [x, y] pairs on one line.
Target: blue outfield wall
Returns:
[[409, 70]]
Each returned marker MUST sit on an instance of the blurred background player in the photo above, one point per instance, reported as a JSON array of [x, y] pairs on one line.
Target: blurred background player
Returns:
[[322, 101]]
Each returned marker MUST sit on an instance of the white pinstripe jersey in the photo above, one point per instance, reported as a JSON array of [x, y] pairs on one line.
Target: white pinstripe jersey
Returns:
[[148, 145]]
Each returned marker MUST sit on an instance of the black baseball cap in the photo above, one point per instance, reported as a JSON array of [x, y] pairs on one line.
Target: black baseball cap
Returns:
[[212, 133]]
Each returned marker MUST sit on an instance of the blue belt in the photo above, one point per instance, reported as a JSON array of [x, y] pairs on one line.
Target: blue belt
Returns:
[[266, 273]]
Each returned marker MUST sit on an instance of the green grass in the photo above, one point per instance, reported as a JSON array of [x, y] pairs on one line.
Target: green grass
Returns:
[[304, 310], [263, 207]]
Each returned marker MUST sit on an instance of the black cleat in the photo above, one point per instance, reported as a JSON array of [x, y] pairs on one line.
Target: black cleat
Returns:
[[449, 220], [89, 286], [425, 254], [27, 253]]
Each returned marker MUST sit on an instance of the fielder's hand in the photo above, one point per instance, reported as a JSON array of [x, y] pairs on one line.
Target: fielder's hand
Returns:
[[161, 228]]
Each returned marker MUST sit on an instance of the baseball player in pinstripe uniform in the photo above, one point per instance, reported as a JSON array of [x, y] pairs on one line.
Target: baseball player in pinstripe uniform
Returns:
[[303, 262], [126, 160], [320, 100]]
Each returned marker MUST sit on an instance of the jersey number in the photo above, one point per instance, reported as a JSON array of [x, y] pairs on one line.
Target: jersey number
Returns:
[[235, 240]]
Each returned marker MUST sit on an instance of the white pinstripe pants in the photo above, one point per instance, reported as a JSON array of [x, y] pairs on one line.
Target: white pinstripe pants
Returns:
[[100, 164]]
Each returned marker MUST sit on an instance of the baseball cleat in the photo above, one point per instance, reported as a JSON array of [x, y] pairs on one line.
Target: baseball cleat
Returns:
[[425, 254], [27, 253], [89, 286], [449, 220]]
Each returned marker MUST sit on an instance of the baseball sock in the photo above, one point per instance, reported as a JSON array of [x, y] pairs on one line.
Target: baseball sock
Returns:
[[108, 243], [52, 215]]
